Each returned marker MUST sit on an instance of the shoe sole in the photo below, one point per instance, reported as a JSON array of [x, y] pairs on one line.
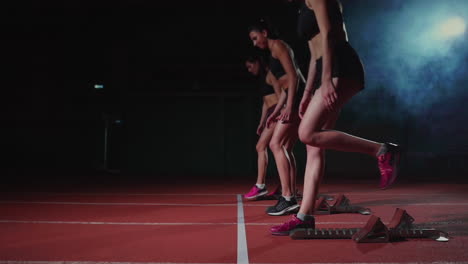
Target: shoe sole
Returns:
[[287, 233], [281, 233], [256, 196], [288, 209]]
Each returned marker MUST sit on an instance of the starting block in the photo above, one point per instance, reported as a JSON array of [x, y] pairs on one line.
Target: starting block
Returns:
[[326, 197], [375, 231], [341, 205]]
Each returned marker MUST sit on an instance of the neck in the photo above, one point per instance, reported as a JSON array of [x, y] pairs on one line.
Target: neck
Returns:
[[270, 44]]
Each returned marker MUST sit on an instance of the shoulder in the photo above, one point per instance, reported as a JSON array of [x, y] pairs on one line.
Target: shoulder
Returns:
[[278, 46]]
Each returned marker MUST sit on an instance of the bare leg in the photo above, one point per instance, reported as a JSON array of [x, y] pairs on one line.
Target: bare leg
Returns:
[[312, 132], [292, 139], [277, 145], [315, 168], [317, 115], [262, 151]]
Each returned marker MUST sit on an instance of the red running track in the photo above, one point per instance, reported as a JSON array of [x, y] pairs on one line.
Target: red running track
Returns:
[[200, 224]]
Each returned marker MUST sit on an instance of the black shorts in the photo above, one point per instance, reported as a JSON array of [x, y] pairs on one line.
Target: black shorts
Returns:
[[346, 64]]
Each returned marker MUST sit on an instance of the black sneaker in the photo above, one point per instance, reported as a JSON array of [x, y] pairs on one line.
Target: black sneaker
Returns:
[[282, 206]]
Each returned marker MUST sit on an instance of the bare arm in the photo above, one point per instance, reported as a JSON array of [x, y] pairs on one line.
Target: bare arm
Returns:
[[279, 105], [308, 91], [280, 50], [329, 37], [327, 34], [264, 110]]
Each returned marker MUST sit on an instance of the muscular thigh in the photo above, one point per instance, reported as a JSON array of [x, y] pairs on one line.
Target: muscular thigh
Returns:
[[284, 132], [317, 116], [266, 135]]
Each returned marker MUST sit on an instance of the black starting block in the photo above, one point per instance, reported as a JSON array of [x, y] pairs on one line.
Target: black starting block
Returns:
[[400, 228], [341, 205]]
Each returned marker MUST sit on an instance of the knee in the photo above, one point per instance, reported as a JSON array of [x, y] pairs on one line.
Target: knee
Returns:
[[261, 147], [275, 146], [311, 138]]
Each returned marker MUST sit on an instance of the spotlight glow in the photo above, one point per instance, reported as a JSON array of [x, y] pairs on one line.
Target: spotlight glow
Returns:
[[452, 28]]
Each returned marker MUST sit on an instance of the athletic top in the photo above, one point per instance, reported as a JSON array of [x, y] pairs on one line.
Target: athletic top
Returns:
[[276, 68], [307, 25], [265, 88]]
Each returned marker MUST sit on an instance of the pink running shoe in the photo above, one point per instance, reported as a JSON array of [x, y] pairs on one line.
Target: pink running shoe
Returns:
[[275, 194], [255, 192], [388, 165], [285, 228]]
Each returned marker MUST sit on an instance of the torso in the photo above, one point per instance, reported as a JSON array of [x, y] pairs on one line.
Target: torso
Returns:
[[282, 78], [316, 40], [270, 99]]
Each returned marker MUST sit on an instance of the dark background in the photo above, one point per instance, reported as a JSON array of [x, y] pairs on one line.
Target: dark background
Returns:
[[174, 78]]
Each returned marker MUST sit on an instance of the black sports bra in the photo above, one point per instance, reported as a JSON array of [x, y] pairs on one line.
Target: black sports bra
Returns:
[[276, 68], [307, 25]]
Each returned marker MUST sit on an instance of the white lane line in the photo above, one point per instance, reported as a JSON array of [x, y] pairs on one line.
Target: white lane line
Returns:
[[242, 250], [224, 204]]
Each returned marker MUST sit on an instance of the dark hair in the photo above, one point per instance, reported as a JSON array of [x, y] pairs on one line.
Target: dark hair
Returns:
[[253, 58], [264, 25]]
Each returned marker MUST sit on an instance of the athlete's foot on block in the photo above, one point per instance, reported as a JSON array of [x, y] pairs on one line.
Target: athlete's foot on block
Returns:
[[255, 193], [283, 206], [294, 223], [388, 165]]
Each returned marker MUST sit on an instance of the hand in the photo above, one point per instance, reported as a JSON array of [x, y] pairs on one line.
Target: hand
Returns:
[[303, 106], [272, 118], [285, 115], [260, 128], [329, 94]]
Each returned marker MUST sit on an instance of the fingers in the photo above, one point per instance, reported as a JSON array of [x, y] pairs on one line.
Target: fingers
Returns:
[[326, 101], [284, 118], [333, 100], [268, 122], [335, 96], [330, 101]]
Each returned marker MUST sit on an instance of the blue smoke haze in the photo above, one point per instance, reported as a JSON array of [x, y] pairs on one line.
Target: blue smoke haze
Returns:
[[410, 65]]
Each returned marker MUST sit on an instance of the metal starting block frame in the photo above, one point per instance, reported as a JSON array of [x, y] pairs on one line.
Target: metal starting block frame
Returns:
[[400, 228], [341, 205]]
